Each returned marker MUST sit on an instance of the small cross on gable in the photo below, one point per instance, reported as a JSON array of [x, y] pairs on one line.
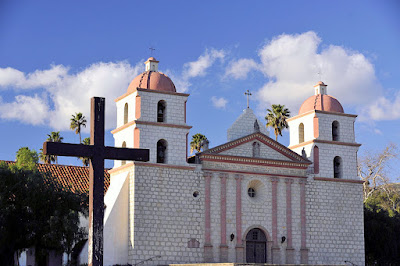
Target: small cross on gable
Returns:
[[97, 152], [248, 93]]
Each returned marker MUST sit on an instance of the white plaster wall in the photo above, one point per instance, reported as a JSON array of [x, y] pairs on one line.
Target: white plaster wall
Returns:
[[166, 215], [246, 150], [131, 100], [175, 107], [335, 223], [124, 135], [308, 121], [115, 222], [176, 142]]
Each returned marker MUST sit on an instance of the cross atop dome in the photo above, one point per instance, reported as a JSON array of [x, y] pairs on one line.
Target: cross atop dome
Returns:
[[151, 64], [320, 88]]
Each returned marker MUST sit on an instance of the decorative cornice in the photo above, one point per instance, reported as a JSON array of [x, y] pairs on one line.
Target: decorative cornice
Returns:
[[164, 165], [123, 96], [338, 180], [252, 161], [123, 127], [138, 122], [325, 142], [262, 138], [163, 92], [254, 173], [320, 112]]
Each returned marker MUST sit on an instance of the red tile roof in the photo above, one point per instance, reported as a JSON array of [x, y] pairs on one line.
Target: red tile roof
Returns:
[[74, 178]]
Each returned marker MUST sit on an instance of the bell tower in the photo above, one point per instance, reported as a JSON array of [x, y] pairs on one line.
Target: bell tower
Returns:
[[325, 134], [152, 115]]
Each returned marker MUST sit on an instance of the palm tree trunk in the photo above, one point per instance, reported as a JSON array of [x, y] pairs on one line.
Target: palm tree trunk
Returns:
[[80, 139]]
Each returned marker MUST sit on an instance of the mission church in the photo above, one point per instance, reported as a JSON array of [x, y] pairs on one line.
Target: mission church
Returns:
[[250, 199]]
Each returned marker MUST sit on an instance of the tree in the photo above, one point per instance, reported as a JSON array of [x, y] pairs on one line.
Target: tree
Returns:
[[47, 159], [85, 160], [197, 142], [372, 169], [77, 121], [27, 158], [54, 137], [276, 118], [37, 212]]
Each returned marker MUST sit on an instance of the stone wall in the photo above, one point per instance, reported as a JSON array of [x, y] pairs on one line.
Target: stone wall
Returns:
[[165, 217], [335, 222]]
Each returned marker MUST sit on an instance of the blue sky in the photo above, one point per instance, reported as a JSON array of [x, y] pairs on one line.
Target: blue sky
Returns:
[[55, 55]]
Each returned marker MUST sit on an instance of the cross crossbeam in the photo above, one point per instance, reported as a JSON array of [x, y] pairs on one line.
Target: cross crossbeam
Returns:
[[97, 153]]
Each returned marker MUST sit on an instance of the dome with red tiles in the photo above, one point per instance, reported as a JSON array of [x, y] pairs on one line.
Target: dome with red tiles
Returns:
[[151, 79], [321, 101]]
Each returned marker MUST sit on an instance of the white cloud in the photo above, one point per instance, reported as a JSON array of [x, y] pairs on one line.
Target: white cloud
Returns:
[[27, 109], [198, 68], [291, 64], [239, 69], [219, 102], [383, 109], [64, 93]]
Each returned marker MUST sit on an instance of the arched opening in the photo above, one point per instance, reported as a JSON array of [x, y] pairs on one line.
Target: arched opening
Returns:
[[256, 246], [126, 113], [256, 149], [161, 111], [335, 131], [337, 167], [301, 133], [316, 160], [162, 151], [123, 146]]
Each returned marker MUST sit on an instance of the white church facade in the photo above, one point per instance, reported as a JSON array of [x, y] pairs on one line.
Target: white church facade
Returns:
[[248, 200]]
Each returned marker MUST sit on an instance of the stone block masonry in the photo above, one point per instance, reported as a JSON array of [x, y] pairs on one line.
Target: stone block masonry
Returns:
[[166, 218], [335, 227]]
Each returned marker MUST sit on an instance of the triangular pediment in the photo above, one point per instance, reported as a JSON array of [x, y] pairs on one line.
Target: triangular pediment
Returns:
[[266, 149]]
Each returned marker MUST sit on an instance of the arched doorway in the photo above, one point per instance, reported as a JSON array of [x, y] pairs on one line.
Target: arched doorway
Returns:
[[256, 246]]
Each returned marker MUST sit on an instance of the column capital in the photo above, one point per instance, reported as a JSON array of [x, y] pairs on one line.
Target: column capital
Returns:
[[288, 181], [223, 175], [207, 174], [274, 180], [303, 181], [238, 176]]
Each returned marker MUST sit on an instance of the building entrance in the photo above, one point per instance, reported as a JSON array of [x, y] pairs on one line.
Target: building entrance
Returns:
[[256, 246]]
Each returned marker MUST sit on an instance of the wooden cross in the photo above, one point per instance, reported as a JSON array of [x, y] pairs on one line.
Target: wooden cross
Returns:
[[248, 93], [97, 152]]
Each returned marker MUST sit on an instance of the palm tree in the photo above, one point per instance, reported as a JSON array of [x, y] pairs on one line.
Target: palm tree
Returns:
[[197, 142], [77, 121], [276, 118], [47, 159], [85, 160], [52, 137]]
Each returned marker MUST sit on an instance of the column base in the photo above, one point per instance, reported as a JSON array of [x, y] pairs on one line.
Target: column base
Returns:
[[290, 255], [223, 253], [276, 255], [239, 250], [208, 253], [304, 255]]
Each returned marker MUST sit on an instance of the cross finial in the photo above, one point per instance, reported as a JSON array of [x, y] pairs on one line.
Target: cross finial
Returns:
[[151, 50], [248, 93]]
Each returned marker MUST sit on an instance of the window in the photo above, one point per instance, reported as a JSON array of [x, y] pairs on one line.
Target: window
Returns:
[[123, 146], [126, 113], [335, 131], [337, 167], [256, 149], [316, 160], [301, 133], [161, 151], [161, 110], [251, 192]]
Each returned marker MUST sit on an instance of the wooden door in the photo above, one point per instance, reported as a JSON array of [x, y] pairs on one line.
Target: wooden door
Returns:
[[256, 246]]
